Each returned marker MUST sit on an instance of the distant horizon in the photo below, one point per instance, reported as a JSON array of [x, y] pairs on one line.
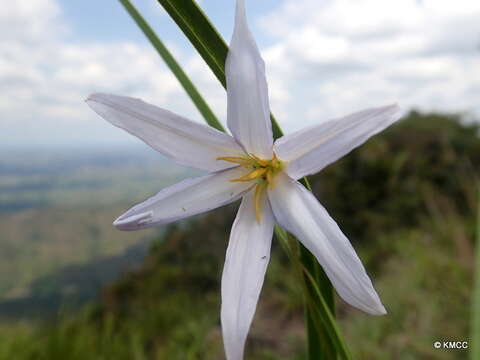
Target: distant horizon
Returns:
[[118, 139], [136, 146]]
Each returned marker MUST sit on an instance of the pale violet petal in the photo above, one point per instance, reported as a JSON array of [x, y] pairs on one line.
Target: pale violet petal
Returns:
[[246, 262], [248, 106], [298, 211], [184, 199], [311, 149], [186, 142]]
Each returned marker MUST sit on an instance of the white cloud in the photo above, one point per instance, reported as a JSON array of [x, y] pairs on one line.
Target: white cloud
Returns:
[[334, 56], [45, 78], [326, 58], [29, 21]]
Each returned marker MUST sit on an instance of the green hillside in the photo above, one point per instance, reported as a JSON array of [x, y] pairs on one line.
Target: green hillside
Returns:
[[407, 200]]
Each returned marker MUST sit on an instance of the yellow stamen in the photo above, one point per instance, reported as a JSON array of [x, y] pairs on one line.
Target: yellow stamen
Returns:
[[255, 174], [236, 160], [260, 161], [257, 200], [270, 177]]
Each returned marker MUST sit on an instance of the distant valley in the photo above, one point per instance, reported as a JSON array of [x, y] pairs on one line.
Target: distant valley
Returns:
[[56, 213]]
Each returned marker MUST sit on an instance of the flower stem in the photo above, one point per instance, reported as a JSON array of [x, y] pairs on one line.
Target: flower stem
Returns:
[[323, 335]]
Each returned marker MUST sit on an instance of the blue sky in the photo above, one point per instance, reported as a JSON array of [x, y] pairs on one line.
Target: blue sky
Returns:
[[325, 58], [92, 25]]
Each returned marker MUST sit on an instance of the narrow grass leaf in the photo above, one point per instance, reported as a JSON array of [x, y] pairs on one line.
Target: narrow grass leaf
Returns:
[[173, 65], [321, 313]]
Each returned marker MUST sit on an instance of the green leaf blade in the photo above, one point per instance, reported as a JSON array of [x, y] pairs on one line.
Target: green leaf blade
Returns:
[[202, 34]]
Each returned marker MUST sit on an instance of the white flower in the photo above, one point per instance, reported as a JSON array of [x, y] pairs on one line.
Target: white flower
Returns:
[[262, 173]]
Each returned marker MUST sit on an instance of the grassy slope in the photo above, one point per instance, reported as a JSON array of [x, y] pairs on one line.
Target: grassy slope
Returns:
[[405, 200]]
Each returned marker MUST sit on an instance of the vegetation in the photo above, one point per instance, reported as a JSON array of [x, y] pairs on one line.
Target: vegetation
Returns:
[[407, 200]]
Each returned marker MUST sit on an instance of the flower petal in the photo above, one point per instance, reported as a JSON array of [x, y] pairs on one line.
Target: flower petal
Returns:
[[246, 262], [297, 210], [311, 149], [186, 198], [182, 140], [248, 107]]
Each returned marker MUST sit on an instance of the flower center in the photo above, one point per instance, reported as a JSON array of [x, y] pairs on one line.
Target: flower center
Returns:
[[262, 171]]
